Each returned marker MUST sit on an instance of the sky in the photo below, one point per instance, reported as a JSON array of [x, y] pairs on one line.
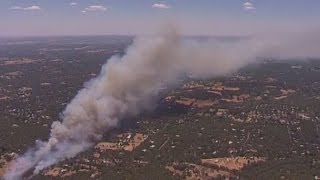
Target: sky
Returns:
[[131, 17]]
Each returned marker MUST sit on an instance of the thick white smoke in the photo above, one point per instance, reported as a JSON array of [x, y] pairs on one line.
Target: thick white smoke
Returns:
[[126, 86]]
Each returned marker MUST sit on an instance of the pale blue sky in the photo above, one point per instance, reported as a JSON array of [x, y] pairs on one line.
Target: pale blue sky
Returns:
[[196, 17]]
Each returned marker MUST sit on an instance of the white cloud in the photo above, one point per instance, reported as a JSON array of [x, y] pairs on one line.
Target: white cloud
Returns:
[[73, 4], [30, 8], [160, 6], [248, 6], [95, 8]]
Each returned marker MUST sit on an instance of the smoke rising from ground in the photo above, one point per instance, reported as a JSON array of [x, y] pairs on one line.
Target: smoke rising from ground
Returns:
[[127, 85]]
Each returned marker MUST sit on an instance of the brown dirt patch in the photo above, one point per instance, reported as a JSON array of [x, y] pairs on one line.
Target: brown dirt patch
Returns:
[[235, 163], [186, 101], [194, 171], [197, 103], [285, 93], [59, 172], [237, 99], [19, 61], [5, 165], [204, 103], [127, 142], [221, 87]]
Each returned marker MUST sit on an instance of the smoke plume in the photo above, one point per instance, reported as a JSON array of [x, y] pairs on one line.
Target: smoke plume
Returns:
[[127, 85]]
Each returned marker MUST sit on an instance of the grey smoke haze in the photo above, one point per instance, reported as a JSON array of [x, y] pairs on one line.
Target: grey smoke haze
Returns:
[[127, 85], [298, 45]]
